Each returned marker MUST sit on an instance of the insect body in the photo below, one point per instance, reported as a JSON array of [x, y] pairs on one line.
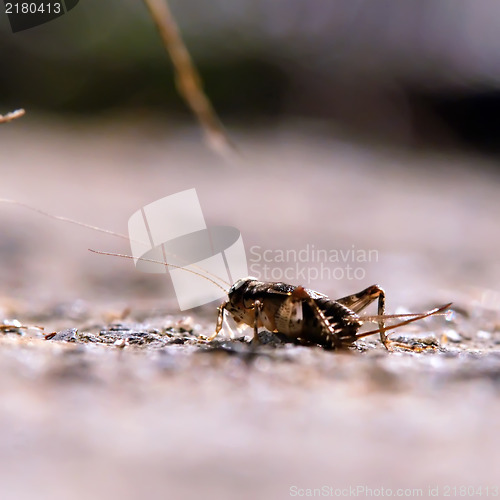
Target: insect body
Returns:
[[304, 315]]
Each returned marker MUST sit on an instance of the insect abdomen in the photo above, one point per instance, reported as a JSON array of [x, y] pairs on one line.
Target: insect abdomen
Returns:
[[335, 326]]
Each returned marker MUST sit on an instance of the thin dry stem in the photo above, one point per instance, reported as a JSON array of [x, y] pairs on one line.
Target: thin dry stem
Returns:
[[188, 79], [12, 115]]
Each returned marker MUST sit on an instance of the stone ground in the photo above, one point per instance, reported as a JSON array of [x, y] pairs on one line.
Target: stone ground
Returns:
[[126, 401]]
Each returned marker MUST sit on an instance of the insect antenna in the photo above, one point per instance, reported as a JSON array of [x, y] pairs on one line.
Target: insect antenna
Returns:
[[107, 231], [416, 317], [100, 252], [62, 218]]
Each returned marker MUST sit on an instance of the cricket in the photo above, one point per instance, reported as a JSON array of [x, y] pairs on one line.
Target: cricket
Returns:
[[307, 316], [301, 315]]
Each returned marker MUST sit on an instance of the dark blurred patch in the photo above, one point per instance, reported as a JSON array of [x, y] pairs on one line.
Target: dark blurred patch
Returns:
[[249, 87], [253, 87], [473, 118], [240, 87]]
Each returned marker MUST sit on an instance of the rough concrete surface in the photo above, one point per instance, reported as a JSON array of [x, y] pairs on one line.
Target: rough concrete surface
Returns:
[[126, 402]]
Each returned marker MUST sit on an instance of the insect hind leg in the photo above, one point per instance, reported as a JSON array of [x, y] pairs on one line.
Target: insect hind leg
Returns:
[[358, 301], [330, 338]]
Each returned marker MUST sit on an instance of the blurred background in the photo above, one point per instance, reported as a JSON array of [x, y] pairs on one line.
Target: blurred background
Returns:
[[412, 73], [361, 124], [365, 124]]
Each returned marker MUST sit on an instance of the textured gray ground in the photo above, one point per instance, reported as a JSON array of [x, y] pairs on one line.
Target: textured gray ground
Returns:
[[138, 407]]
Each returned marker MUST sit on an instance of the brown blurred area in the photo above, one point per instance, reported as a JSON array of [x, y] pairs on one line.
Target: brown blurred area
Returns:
[[367, 125], [430, 217]]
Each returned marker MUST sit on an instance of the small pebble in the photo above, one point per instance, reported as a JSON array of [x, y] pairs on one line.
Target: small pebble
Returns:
[[68, 335], [121, 343], [452, 335], [14, 323], [483, 335]]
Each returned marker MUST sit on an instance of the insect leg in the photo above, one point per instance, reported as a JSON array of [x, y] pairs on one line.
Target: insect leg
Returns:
[[381, 323], [417, 317], [360, 300], [220, 318], [257, 310]]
